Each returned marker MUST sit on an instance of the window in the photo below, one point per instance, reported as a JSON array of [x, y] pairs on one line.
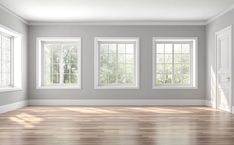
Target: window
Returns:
[[174, 63], [116, 63], [10, 60], [59, 62]]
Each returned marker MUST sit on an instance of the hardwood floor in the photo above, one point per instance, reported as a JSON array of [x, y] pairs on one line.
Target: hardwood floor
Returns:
[[116, 126]]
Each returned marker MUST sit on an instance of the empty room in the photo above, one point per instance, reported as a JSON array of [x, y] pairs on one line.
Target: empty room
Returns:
[[116, 72]]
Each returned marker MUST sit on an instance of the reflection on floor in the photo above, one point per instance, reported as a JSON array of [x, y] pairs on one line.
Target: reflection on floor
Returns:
[[116, 126]]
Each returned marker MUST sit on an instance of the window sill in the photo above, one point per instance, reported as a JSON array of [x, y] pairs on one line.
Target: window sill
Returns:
[[116, 88], [5, 90], [58, 87], [175, 87]]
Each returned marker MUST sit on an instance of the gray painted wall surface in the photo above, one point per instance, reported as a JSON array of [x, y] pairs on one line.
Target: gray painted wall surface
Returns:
[[145, 33], [15, 24], [220, 23]]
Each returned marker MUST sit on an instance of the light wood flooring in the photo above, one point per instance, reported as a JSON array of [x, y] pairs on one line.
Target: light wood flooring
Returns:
[[117, 126]]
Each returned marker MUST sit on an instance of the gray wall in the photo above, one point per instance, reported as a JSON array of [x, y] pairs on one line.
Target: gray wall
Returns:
[[145, 33], [218, 24], [15, 24]]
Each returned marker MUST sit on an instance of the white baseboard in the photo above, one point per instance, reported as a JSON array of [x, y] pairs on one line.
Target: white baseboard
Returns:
[[144, 102], [13, 106]]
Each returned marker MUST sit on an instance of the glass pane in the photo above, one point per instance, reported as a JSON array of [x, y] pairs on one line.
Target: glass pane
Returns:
[[185, 58], [73, 58], [56, 79], [185, 68], [160, 48], [178, 79], [129, 58], [66, 68], [168, 78], [160, 68], [103, 48], [74, 68], [177, 58], [121, 58], [185, 48], [129, 68], [160, 58], [168, 68], [130, 48], [177, 48], [74, 79], [121, 48], [168, 48], [112, 48], [55, 68], [168, 58], [66, 79], [129, 78], [177, 68], [104, 58], [160, 79], [112, 58], [56, 55], [186, 79]]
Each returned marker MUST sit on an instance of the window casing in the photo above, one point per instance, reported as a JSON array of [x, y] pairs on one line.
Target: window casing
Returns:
[[59, 63], [116, 63], [10, 60], [174, 63]]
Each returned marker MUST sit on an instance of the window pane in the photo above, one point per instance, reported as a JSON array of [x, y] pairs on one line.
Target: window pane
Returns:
[[112, 48], [104, 48], [160, 68], [177, 48], [129, 58], [168, 58], [61, 61], [118, 67], [185, 48], [168, 48], [121, 48], [173, 62], [160, 58], [130, 48], [160, 48]]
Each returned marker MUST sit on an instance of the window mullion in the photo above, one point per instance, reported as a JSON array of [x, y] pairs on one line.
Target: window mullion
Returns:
[[12, 62]]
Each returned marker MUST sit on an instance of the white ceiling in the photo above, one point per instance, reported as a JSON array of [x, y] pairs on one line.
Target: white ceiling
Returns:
[[116, 10]]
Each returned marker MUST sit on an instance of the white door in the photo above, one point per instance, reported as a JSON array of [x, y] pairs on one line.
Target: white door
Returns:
[[224, 69]]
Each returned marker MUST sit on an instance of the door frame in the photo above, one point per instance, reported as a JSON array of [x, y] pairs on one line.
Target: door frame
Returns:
[[216, 66]]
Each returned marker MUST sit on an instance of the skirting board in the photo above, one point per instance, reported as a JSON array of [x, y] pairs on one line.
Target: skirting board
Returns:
[[149, 102], [13, 106]]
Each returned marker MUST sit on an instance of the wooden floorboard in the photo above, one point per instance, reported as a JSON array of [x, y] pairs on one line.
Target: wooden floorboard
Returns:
[[116, 126]]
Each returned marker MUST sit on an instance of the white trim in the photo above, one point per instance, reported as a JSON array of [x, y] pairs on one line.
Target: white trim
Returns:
[[216, 66], [96, 61], [91, 102], [4, 90], [39, 56], [195, 62], [121, 23], [13, 106], [219, 14], [13, 14]]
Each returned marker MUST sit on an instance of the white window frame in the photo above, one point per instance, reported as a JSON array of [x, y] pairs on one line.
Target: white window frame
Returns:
[[96, 62], [194, 63], [16, 59], [39, 64]]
